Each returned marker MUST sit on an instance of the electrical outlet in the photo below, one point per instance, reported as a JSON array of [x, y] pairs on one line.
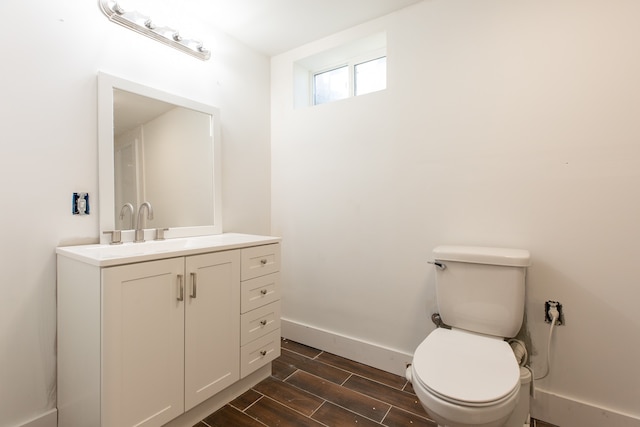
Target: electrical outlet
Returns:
[[80, 204], [547, 308]]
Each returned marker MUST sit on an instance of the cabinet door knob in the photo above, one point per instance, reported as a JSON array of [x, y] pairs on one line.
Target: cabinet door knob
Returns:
[[263, 353], [263, 261], [263, 291], [263, 322]]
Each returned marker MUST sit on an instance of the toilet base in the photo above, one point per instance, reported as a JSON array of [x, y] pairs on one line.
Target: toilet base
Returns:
[[520, 414], [526, 424]]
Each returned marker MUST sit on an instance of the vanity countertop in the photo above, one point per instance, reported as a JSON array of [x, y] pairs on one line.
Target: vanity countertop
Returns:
[[109, 255]]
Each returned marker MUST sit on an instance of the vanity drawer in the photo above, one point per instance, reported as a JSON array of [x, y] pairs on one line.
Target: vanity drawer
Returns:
[[259, 322], [257, 292], [255, 354], [259, 261]]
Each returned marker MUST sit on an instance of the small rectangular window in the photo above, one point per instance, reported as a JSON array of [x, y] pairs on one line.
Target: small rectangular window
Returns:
[[354, 68], [371, 76], [331, 85]]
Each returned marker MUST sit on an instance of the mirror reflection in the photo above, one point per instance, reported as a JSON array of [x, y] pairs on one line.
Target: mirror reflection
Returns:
[[162, 154], [160, 148]]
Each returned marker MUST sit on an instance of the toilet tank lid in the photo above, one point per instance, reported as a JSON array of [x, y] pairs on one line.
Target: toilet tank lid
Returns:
[[483, 255]]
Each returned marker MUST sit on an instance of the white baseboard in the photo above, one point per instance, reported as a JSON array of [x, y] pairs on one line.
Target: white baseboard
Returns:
[[371, 354], [48, 419], [568, 412]]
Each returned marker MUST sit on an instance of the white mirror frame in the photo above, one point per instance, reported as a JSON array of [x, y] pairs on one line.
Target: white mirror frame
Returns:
[[106, 183]]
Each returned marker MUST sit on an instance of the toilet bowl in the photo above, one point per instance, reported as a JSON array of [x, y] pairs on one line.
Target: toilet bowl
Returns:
[[464, 379]]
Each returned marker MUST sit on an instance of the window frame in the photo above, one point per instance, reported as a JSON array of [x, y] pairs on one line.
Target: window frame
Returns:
[[355, 75], [350, 63], [313, 75]]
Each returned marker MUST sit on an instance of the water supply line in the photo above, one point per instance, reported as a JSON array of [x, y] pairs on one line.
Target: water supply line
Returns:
[[519, 351], [555, 315]]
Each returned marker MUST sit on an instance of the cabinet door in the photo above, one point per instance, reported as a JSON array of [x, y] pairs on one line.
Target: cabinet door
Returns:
[[142, 343], [212, 325]]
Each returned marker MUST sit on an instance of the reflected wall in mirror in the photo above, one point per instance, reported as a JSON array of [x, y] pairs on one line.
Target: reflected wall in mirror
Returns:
[[160, 148], [163, 154]]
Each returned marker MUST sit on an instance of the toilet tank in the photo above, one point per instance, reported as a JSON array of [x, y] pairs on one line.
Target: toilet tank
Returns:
[[481, 289]]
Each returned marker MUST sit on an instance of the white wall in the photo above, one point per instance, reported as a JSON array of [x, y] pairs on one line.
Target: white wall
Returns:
[[48, 109], [179, 140], [504, 123]]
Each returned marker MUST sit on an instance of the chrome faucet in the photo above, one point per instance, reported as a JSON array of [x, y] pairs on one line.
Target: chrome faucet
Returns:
[[139, 228], [125, 207]]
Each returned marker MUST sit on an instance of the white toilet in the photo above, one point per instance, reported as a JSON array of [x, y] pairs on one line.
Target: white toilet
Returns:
[[468, 375]]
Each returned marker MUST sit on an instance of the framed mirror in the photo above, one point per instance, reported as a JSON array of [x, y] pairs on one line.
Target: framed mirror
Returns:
[[159, 148]]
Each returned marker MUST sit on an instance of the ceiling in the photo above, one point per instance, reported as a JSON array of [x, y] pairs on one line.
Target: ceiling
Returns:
[[275, 26]]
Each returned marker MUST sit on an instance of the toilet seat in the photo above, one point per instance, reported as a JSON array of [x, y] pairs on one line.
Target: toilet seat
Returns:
[[466, 369]]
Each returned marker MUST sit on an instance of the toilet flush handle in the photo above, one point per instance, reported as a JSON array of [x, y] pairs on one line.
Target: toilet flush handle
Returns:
[[439, 265]]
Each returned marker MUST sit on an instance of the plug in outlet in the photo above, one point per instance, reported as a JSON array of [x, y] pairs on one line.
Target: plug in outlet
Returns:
[[553, 305]]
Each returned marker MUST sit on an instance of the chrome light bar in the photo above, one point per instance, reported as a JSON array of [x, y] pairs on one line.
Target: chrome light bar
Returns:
[[143, 24]]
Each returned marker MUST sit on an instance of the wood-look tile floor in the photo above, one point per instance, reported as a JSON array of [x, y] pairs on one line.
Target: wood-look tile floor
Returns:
[[310, 387]]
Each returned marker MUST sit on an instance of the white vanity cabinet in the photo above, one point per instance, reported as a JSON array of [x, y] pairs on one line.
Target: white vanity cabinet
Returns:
[[142, 341]]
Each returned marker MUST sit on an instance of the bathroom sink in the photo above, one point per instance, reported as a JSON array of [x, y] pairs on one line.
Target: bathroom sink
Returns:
[[106, 255]]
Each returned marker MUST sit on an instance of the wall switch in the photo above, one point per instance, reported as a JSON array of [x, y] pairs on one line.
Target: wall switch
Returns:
[[80, 204]]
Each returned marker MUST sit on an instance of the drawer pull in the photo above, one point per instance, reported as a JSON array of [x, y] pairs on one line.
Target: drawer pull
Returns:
[[263, 291], [263, 261], [263, 353], [263, 322]]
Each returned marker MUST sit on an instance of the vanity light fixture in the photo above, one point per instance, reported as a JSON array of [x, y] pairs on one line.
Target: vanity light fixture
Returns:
[[143, 24]]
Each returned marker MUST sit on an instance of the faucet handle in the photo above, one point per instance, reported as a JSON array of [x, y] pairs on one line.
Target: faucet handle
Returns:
[[160, 233], [116, 237]]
